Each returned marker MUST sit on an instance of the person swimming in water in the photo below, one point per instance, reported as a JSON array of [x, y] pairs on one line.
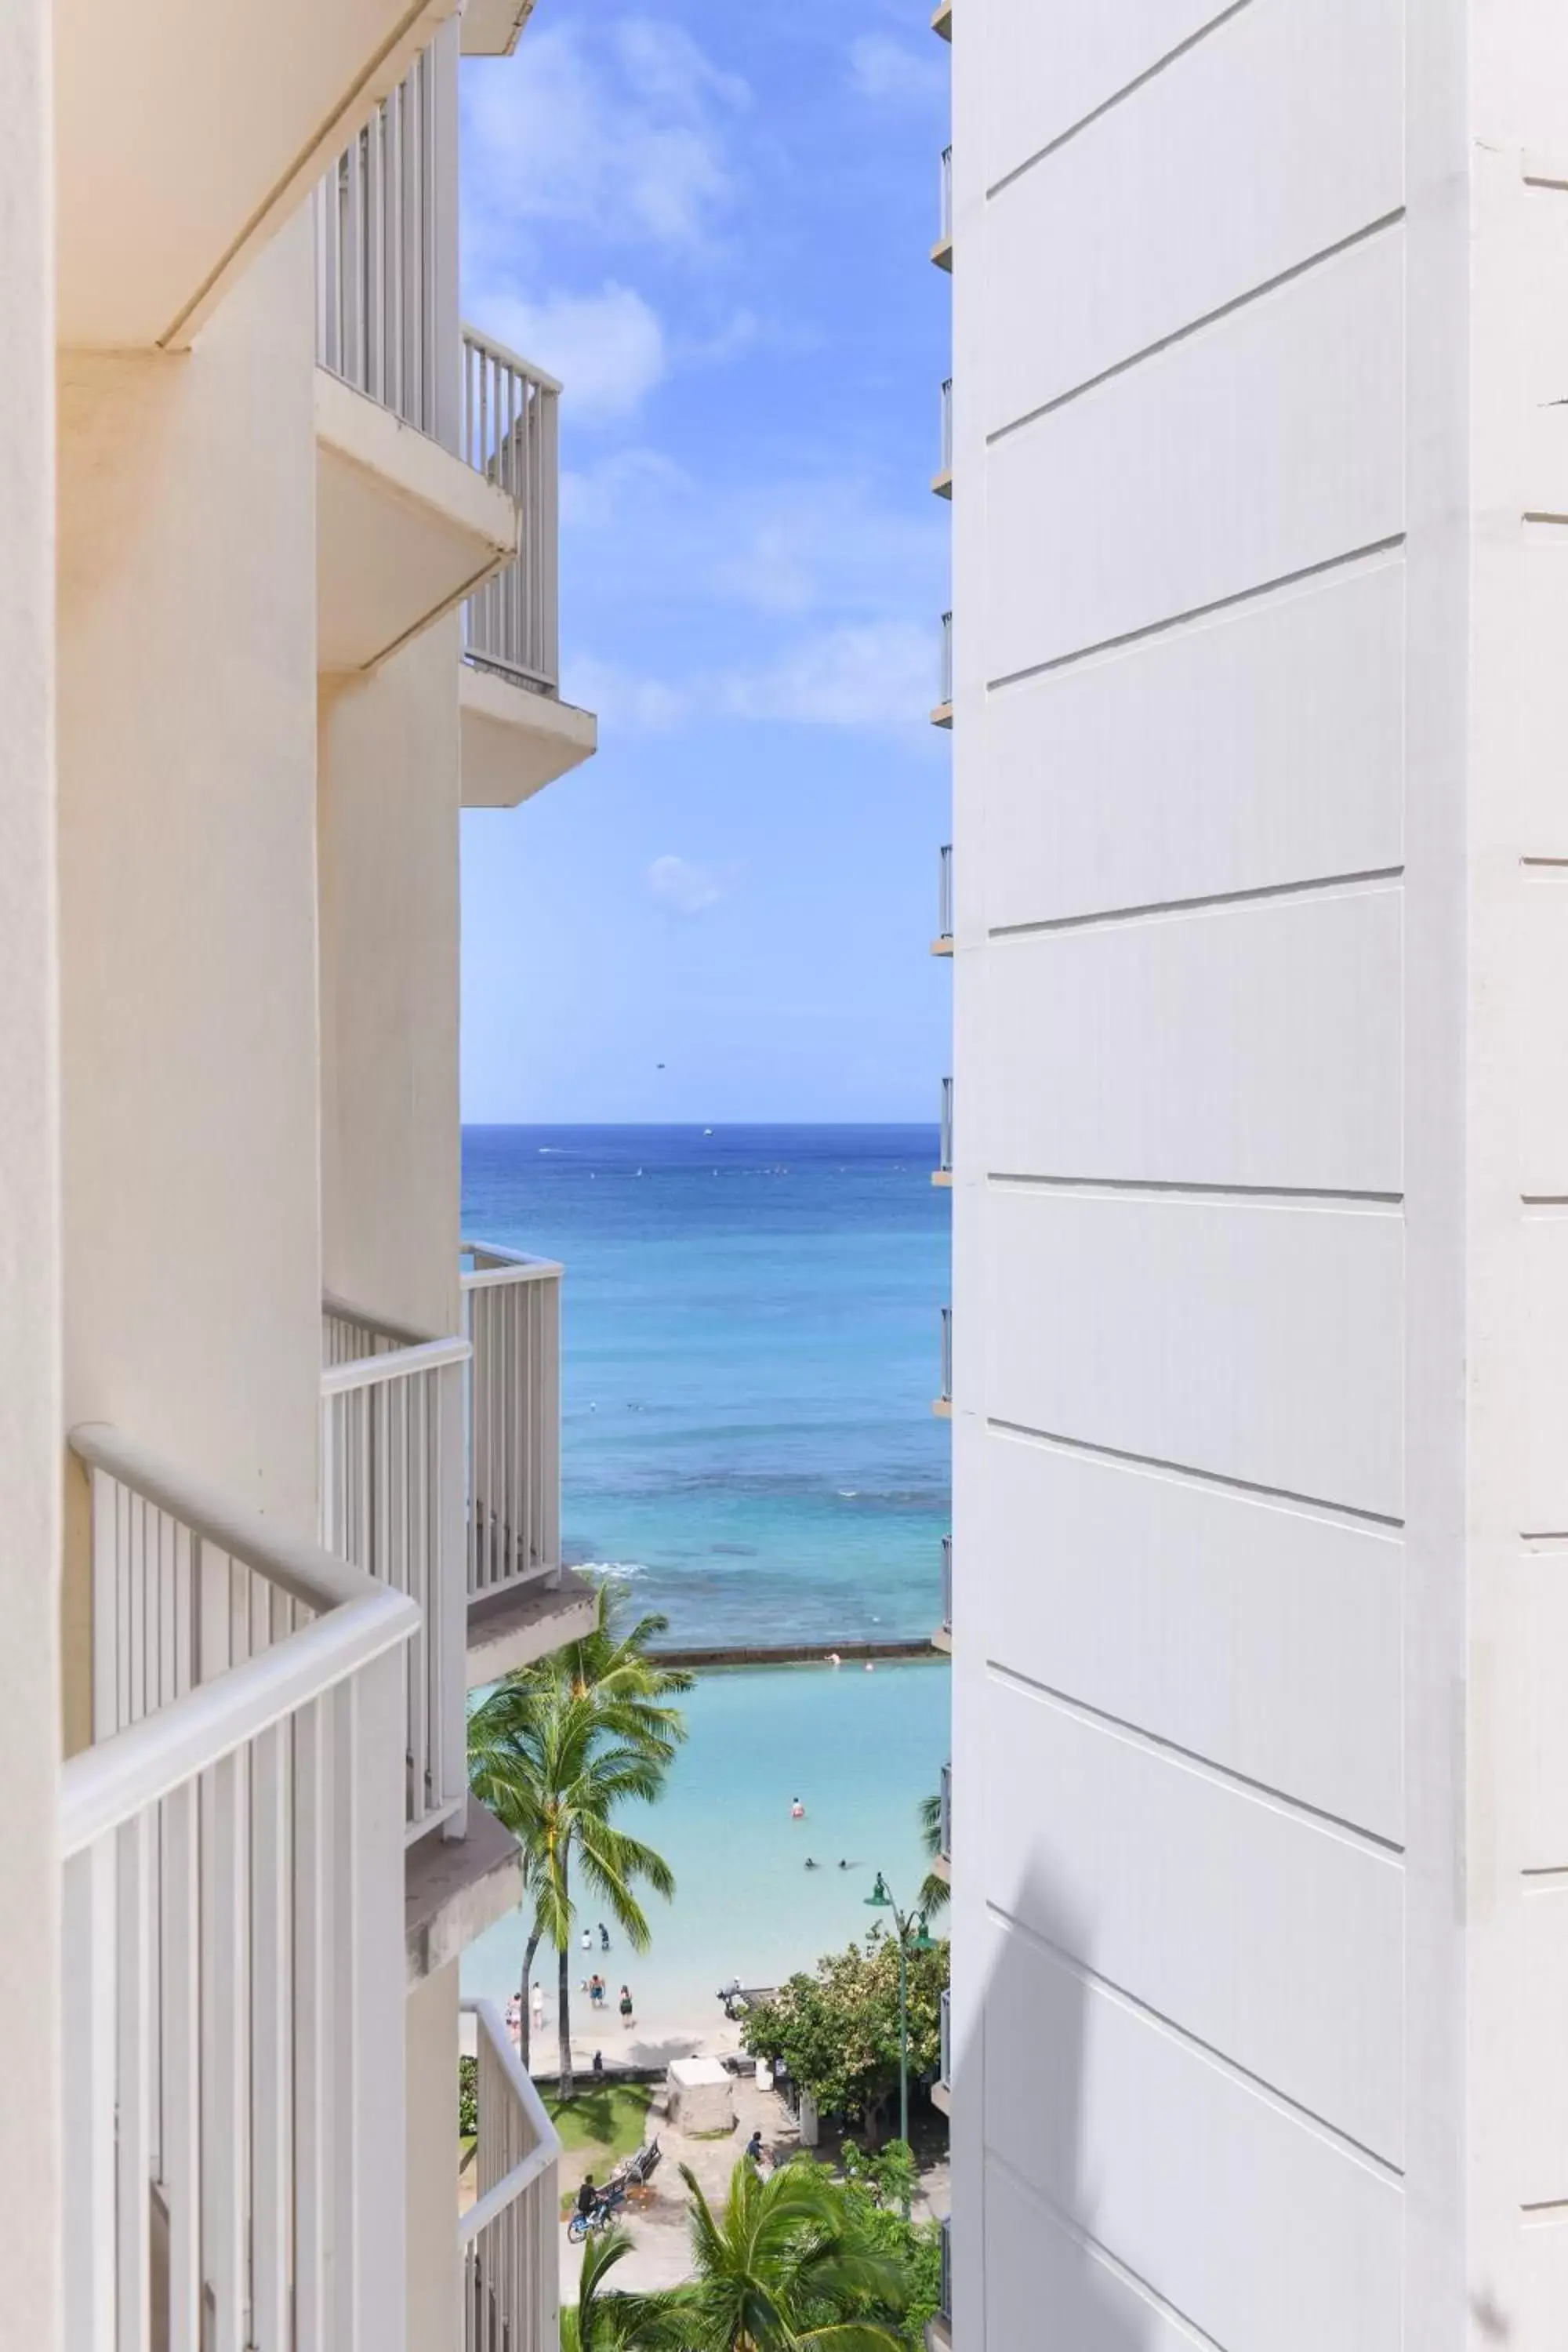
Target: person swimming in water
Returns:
[[810, 1865], [796, 1810]]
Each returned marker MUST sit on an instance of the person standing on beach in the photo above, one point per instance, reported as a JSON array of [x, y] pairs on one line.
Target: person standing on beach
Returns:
[[626, 2006], [604, 1937], [536, 2002]]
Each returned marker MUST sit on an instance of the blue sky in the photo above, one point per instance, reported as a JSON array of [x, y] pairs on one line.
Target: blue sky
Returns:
[[711, 221]]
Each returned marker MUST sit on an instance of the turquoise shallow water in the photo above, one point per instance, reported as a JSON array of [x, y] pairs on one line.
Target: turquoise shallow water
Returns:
[[751, 1321], [859, 1749]]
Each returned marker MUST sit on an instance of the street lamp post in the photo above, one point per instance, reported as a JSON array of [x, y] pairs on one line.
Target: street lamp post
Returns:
[[880, 1899]]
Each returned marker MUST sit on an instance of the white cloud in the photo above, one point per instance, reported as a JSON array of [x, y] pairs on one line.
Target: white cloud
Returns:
[[627, 129], [891, 72], [880, 676], [606, 348], [685, 888], [618, 487], [641, 706]]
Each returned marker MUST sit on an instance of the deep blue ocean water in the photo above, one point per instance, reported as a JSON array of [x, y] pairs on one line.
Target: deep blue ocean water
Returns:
[[750, 1321]]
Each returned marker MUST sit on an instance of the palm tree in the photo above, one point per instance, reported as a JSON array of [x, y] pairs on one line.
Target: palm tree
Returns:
[[614, 1658], [617, 2323], [935, 1892], [783, 2268], [555, 1767]]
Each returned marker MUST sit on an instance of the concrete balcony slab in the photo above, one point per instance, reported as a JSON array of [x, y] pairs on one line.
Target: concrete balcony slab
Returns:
[[405, 530], [515, 740], [454, 1888], [515, 1627]]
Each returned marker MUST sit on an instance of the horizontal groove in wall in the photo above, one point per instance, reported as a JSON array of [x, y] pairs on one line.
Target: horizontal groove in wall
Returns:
[[1150, 1188], [1132, 2280], [1306, 2116], [1119, 97], [1197, 613], [1349, 1513], [1317, 885], [1205, 1767], [1191, 327]]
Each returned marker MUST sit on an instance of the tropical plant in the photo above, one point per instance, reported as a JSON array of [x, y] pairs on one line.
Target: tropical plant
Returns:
[[555, 1768], [879, 2187], [935, 1892], [617, 2322], [786, 2267], [611, 1668], [836, 2030]]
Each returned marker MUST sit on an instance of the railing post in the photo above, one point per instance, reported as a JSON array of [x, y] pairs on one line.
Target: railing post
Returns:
[[88, 2005], [451, 1606]]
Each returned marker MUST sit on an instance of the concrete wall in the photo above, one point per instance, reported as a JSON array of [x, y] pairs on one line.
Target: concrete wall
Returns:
[[390, 791], [1261, 1264], [187, 760], [29, 1307], [435, 2276]]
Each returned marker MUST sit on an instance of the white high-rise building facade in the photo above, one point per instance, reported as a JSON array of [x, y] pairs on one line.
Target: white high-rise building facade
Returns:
[[1260, 1609], [279, 1440]]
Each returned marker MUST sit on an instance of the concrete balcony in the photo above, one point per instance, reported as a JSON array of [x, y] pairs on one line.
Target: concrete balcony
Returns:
[[942, 943], [521, 1603], [492, 28], [517, 735], [941, 1403], [941, 1639], [939, 2327], [942, 714], [941, 480], [942, 251], [412, 513], [233, 1865], [511, 2291], [941, 20], [187, 134], [941, 2089]]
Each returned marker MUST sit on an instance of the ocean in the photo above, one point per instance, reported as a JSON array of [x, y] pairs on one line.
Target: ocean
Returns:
[[750, 1354], [750, 1321]]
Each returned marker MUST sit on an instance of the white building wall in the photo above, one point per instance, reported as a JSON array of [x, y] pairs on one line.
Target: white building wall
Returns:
[[187, 757], [1261, 1260], [29, 1267]]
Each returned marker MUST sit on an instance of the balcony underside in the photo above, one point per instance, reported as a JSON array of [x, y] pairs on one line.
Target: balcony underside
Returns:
[[454, 1888], [941, 1176], [939, 2333], [492, 28], [942, 1640], [516, 741], [405, 530], [942, 2097], [185, 134], [522, 1622]]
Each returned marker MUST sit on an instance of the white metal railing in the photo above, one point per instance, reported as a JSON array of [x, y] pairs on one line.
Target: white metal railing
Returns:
[[944, 701], [232, 1968], [945, 1391], [945, 2076], [945, 1818], [511, 1314], [947, 1584], [379, 277], [946, 465], [944, 1164], [511, 2261], [393, 1503], [511, 434], [944, 893], [945, 235]]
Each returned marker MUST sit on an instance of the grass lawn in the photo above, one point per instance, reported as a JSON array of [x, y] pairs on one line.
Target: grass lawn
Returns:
[[610, 2119]]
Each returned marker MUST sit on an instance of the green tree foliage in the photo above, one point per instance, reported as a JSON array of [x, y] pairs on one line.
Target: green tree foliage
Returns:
[[787, 2265], [836, 2030], [555, 1751], [877, 2187], [604, 2322], [935, 1892]]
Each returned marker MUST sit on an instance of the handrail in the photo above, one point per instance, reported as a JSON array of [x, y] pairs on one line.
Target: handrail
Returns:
[[371, 1320], [296, 1566], [120, 1777], [505, 1257], [497, 350], [548, 2147], [400, 1364], [507, 1265]]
